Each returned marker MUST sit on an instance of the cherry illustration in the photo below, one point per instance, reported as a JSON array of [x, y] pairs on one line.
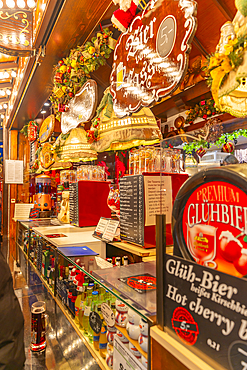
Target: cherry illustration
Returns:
[[241, 263], [230, 247]]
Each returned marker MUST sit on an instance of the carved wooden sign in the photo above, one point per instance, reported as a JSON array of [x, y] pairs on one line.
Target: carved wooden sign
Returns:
[[81, 107], [151, 57], [16, 31]]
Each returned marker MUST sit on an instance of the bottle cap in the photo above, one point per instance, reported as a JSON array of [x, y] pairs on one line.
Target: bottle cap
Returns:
[[95, 292], [91, 285], [85, 284]]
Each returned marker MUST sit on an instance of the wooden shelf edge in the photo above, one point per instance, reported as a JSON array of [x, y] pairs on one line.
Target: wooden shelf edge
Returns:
[[139, 251], [134, 342]]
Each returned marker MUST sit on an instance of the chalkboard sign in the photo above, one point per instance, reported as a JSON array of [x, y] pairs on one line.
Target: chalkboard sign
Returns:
[[132, 209], [207, 311], [95, 322]]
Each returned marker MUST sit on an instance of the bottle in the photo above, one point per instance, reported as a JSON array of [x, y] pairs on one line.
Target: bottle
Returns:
[[118, 261], [87, 310], [102, 337], [94, 307], [82, 303], [77, 303], [126, 260]]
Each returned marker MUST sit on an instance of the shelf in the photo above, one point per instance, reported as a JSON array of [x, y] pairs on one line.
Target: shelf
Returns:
[[100, 361], [132, 248], [134, 342]]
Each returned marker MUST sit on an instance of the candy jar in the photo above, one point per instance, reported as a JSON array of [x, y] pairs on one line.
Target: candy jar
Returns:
[[133, 328], [143, 337], [135, 351], [113, 200], [109, 356], [144, 361], [111, 331], [123, 339]]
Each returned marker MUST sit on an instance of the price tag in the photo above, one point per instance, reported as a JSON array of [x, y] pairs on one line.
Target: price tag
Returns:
[[108, 314], [87, 311], [95, 322]]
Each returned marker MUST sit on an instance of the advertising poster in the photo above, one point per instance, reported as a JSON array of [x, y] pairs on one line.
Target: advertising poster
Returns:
[[206, 310]]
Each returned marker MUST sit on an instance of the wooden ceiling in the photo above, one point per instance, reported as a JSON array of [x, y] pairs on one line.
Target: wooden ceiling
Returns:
[[73, 25]]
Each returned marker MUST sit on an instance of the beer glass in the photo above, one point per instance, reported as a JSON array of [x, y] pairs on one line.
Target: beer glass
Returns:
[[39, 321]]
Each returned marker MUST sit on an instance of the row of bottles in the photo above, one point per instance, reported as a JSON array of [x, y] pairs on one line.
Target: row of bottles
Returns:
[[84, 299]]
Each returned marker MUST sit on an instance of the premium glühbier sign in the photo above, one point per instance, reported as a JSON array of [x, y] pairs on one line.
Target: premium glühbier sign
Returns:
[[151, 57], [206, 311], [214, 220]]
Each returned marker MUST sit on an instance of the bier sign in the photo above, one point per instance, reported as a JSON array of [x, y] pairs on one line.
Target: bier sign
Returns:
[[206, 311], [210, 220], [151, 57]]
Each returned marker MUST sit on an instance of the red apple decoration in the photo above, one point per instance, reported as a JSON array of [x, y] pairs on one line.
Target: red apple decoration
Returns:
[[241, 263], [230, 247]]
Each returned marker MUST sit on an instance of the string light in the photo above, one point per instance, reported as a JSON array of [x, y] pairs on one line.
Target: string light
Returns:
[[13, 73], [10, 3], [31, 3], [1, 4], [5, 106], [8, 92], [21, 4], [2, 116]]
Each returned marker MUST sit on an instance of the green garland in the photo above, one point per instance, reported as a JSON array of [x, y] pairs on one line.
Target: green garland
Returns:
[[72, 72], [204, 109], [195, 145]]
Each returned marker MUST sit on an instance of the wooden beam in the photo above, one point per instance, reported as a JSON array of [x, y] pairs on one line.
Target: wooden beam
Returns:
[[224, 10], [200, 47], [4, 100], [9, 65], [5, 85]]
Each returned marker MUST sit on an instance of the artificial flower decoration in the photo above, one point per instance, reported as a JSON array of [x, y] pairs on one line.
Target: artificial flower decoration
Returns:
[[204, 109], [72, 72]]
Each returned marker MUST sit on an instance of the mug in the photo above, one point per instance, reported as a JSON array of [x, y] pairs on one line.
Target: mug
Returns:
[[39, 321]]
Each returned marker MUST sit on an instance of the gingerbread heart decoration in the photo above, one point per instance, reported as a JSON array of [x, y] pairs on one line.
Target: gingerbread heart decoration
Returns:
[[81, 107]]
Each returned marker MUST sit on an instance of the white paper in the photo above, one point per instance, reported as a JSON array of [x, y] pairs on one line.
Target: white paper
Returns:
[[101, 225], [158, 198], [110, 230], [123, 356], [22, 210], [13, 172]]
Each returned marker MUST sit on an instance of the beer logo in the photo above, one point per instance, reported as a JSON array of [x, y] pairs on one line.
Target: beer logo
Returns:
[[215, 227], [185, 326]]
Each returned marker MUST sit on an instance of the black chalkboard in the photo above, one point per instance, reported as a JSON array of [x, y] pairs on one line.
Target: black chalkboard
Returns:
[[206, 311], [132, 209], [95, 322]]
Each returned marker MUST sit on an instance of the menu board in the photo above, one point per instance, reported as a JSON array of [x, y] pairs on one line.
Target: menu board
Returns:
[[13, 171], [132, 209]]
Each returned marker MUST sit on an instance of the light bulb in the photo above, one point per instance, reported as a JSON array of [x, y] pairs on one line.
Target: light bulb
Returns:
[[43, 112], [2, 116], [10, 3], [31, 3], [8, 92], [5, 106], [13, 73], [21, 4], [2, 92], [47, 104], [6, 75], [1, 4], [1, 107]]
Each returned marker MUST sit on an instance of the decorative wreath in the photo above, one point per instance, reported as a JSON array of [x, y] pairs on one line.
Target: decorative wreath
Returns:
[[72, 72]]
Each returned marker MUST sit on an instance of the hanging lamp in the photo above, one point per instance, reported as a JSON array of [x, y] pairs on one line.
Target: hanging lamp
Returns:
[[119, 134], [76, 147]]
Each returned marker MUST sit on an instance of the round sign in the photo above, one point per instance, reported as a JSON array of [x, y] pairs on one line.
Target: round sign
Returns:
[[108, 314], [47, 128], [46, 155], [185, 326], [237, 355], [210, 220], [95, 322], [166, 36]]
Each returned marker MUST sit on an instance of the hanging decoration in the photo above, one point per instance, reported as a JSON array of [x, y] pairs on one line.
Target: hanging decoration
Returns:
[[227, 67], [81, 108], [72, 72], [46, 155], [76, 148], [204, 109], [30, 130], [228, 147], [47, 128], [195, 72], [108, 132], [151, 57], [222, 142]]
